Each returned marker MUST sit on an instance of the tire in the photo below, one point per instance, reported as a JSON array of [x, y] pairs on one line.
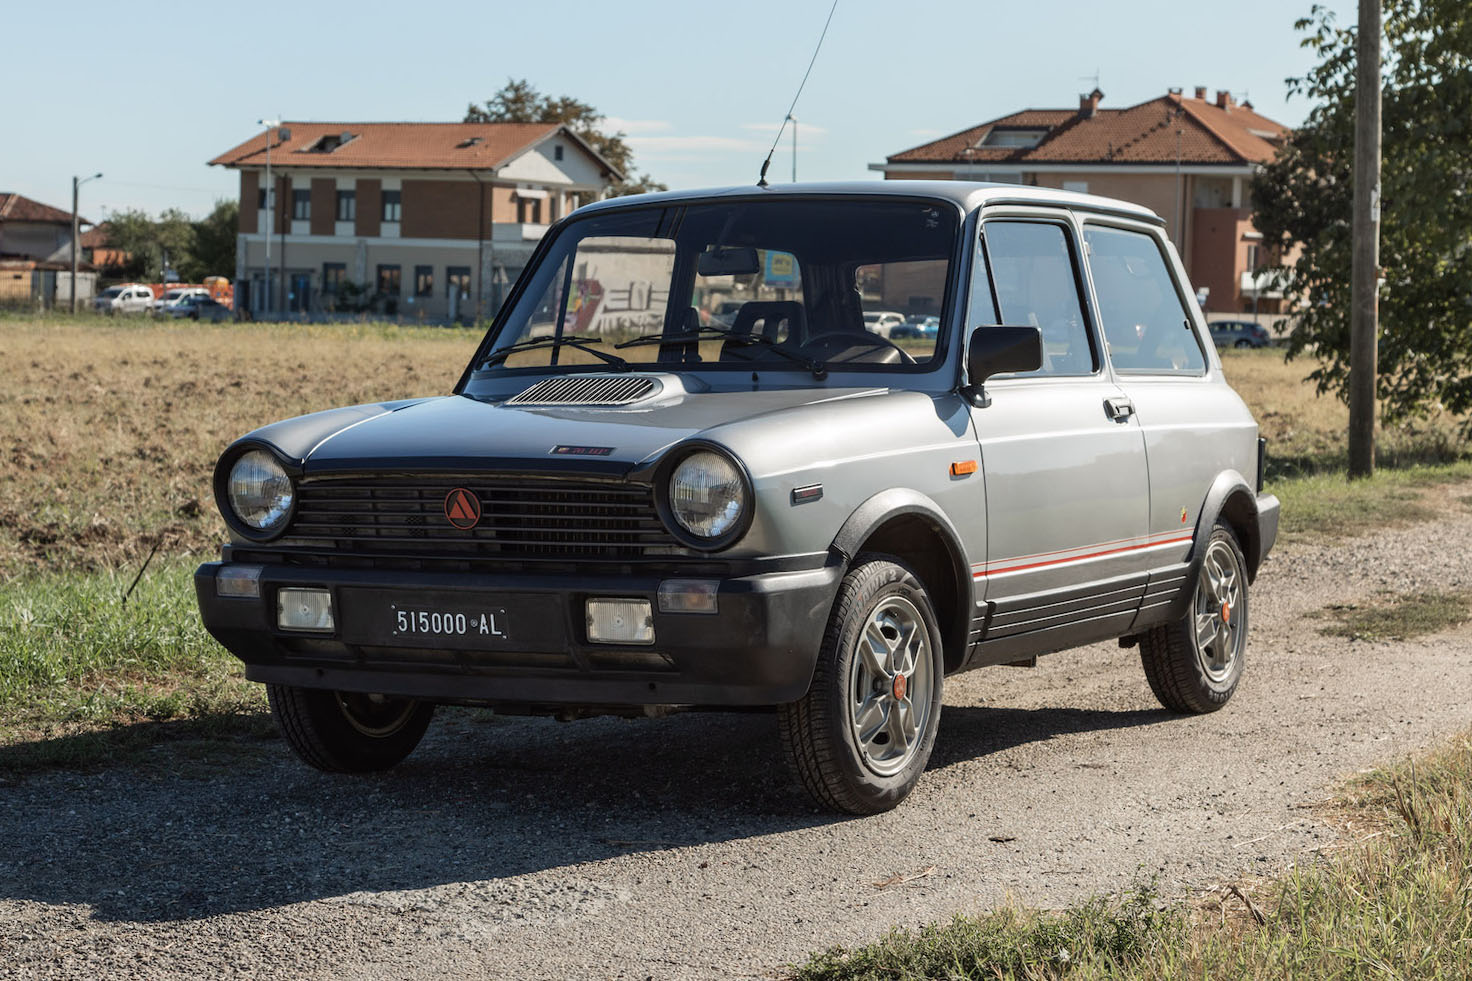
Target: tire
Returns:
[[1195, 664], [883, 610], [1244, 342], [347, 732]]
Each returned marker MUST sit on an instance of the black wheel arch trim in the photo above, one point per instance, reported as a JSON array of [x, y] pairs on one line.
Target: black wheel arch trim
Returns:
[[898, 502], [1254, 517]]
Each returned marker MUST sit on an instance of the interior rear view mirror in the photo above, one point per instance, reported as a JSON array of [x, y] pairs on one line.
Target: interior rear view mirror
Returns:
[[728, 262]]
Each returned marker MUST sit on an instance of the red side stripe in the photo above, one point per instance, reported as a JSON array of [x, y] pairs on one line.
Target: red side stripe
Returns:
[[1080, 558]]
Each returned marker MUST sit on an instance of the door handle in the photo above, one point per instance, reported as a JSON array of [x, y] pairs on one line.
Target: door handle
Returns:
[[1119, 409]]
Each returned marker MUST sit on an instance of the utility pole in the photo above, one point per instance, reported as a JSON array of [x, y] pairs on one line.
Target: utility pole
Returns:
[[270, 125], [1364, 314], [76, 238]]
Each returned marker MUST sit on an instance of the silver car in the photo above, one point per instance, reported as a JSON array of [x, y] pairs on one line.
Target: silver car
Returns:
[[623, 507]]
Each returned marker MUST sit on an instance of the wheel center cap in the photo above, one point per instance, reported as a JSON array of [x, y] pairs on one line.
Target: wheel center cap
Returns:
[[1226, 612], [899, 687]]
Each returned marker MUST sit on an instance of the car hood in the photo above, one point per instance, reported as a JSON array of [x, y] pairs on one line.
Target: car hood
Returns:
[[458, 433]]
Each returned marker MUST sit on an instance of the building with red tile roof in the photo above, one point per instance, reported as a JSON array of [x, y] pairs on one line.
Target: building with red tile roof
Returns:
[[1190, 159], [35, 252], [425, 220]]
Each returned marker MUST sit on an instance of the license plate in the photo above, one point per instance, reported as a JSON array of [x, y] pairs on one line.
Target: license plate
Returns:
[[444, 619], [436, 625]]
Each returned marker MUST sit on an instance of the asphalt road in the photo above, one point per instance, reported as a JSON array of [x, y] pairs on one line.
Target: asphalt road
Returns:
[[678, 848]]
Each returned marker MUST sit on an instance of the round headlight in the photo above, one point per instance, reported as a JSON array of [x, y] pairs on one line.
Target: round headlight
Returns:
[[707, 494], [260, 491]]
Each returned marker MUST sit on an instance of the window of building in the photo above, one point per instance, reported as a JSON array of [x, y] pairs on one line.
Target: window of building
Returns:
[[1252, 257], [391, 207], [529, 212], [1143, 316], [457, 281], [1014, 137], [260, 199], [389, 280], [301, 205], [333, 274], [557, 152], [1036, 278], [424, 280], [347, 205]]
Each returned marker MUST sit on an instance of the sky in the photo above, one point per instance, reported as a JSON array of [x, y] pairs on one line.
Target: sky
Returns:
[[698, 87]]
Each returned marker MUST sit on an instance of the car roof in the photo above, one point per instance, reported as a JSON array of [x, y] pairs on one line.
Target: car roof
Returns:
[[967, 194]]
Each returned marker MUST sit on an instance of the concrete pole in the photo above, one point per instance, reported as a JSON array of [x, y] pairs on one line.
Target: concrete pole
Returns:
[[75, 237], [1365, 263], [77, 183]]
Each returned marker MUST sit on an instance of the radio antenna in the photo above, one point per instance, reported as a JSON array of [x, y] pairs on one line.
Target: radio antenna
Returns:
[[761, 180]]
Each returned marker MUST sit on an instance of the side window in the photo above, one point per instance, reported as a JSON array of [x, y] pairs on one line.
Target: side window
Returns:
[[1140, 309], [1036, 278]]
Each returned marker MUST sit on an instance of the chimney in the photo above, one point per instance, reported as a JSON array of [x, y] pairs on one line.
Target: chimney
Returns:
[[1224, 100], [1201, 92], [1088, 105]]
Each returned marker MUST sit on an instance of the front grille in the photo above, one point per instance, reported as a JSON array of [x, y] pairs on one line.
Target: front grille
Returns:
[[519, 520], [588, 390]]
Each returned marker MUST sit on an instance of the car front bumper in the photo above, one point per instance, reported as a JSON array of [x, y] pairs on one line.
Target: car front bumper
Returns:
[[759, 648]]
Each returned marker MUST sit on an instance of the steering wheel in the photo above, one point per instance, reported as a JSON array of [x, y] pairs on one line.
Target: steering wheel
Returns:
[[828, 347]]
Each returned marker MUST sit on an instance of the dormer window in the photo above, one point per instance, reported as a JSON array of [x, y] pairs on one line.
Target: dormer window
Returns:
[[329, 143], [468, 142], [1014, 137]]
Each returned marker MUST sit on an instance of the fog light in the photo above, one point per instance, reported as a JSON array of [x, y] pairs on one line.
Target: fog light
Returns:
[[239, 580], [688, 596], [304, 609], [620, 621]]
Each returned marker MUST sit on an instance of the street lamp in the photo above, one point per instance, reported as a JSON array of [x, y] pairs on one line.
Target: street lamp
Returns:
[[270, 125], [77, 182]]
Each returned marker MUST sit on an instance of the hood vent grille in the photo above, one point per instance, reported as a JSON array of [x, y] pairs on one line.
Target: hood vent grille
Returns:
[[588, 390]]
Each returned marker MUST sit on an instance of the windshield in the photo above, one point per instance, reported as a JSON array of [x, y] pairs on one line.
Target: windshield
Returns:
[[743, 285]]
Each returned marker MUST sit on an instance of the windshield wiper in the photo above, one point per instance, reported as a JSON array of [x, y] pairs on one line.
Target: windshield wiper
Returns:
[[819, 370], [581, 344]]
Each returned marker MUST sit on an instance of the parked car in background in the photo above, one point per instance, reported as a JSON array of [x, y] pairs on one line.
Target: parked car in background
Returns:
[[200, 308], [128, 298], [881, 322], [923, 328], [174, 296], [790, 512], [1239, 333]]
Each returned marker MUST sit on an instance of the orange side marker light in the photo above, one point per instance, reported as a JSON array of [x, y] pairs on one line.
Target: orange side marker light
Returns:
[[962, 467]]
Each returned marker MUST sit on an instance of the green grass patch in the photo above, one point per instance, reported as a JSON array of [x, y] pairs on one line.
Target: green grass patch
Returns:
[[1104, 938], [1399, 617], [1394, 902], [85, 677], [1329, 505]]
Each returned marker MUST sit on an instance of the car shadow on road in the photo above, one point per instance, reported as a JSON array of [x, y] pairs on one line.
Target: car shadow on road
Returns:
[[485, 798]]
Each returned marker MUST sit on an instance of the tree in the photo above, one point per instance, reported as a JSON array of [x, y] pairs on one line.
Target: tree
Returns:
[[518, 102], [1303, 202], [193, 249], [213, 253]]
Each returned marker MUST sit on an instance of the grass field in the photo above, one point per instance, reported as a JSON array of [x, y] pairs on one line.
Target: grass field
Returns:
[[109, 431]]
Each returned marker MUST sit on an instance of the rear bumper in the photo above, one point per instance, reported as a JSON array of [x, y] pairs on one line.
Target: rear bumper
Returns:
[[1268, 509], [758, 649]]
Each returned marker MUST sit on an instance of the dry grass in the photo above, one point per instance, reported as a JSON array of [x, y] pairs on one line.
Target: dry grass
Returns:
[[1306, 431], [109, 434]]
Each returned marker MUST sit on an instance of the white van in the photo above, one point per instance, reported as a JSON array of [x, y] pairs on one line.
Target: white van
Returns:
[[128, 298]]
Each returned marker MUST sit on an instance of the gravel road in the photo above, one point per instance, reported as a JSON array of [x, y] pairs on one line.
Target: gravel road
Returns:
[[677, 848]]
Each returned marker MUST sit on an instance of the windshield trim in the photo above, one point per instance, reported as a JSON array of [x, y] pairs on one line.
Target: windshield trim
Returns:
[[941, 357]]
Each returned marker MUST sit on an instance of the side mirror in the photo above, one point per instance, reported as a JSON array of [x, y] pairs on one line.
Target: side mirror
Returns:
[[997, 350]]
